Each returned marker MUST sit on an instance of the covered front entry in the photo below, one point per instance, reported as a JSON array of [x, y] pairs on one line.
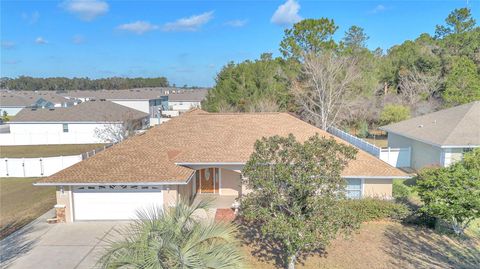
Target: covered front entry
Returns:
[[114, 202], [208, 180]]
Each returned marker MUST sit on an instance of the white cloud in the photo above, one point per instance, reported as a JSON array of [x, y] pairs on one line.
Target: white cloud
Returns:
[[78, 39], [138, 27], [31, 18], [86, 9], [236, 23], [192, 23], [378, 9], [40, 40], [8, 44], [287, 13]]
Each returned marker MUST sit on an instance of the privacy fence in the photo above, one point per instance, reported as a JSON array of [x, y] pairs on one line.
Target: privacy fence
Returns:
[[398, 157], [41, 167]]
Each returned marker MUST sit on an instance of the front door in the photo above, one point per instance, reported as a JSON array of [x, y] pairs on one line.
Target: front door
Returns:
[[206, 180]]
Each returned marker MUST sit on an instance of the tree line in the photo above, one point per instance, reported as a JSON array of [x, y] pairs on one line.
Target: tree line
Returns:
[[27, 83], [344, 83]]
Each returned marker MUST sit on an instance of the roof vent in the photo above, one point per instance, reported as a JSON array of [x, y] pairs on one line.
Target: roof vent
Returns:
[[103, 99], [435, 122], [420, 126], [51, 109], [34, 109]]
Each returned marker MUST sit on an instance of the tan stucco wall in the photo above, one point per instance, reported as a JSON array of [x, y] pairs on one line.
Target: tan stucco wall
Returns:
[[422, 154], [170, 194], [231, 182], [380, 188], [185, 191], [65, 199]]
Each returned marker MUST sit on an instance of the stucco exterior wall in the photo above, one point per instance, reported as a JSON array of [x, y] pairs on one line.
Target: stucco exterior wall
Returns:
[[423, 154], [380, 188], [170, 195], [186, 191], [231, 182], [140, 105], [65, 198]]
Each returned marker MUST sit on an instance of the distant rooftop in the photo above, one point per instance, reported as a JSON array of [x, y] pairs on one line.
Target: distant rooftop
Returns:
[[176, 94], [456, 126], [90, 111], [27, 98]]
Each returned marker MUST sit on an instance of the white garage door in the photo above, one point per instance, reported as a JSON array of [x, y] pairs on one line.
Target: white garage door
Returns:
[[116, 202]]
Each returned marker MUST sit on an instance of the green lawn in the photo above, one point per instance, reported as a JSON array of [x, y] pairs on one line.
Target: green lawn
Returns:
[[33, 151], [21, 202]]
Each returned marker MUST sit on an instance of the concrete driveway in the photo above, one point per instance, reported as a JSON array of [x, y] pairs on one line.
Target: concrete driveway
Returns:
[[42, 245]]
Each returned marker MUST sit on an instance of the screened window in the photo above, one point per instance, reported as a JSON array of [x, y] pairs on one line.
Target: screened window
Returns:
[[65, 128], [354, 188]]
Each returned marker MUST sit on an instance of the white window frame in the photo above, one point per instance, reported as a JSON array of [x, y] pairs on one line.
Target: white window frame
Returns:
[[362, 182]]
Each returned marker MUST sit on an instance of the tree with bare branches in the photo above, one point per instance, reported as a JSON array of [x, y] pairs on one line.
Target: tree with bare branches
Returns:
[[416, 86], [322, 85], [115, 132]]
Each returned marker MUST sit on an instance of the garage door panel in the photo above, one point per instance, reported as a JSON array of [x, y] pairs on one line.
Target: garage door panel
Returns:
[[98, 204]]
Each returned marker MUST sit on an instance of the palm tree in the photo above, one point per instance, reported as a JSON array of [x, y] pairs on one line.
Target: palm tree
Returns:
[[174, 238]]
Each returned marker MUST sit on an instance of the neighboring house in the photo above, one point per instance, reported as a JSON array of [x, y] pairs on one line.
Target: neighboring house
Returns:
[[12, 104], [197, 152], [149, 101], [184, 100], [70, 125], [14, 101], [439, 138]]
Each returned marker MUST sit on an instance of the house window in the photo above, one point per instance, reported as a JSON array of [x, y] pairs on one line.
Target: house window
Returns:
[[354, 188], [65, 128], [466, 150]]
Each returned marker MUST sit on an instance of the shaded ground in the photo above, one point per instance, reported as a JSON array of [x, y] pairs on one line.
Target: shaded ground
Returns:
[[382, 245], [21, 202], [33, 151]]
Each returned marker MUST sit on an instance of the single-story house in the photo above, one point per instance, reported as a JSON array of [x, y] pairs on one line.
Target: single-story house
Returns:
[[184, 100], [150, 101], [78, 124], [12, 102], [197, 152], [439, 138]]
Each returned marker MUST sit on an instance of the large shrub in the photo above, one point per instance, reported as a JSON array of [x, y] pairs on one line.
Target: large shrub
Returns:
[[452, 193], [394, 113], [400, 190], [369, 209]]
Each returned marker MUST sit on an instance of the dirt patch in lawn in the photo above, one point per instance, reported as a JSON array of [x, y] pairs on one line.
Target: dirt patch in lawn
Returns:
[[35, 151], [21, 202], [382, 245]]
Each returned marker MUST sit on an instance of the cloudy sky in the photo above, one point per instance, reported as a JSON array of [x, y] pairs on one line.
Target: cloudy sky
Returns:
[[186, 41]]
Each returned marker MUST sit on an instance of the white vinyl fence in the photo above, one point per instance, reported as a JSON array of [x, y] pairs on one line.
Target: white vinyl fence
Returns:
[[47, 138], [36, 167], [397, 157], [43, 166]]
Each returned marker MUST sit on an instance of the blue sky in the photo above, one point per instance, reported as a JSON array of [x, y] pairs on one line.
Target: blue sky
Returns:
[[186, 41]]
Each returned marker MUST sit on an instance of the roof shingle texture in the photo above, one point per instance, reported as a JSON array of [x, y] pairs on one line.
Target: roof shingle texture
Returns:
[[200, 137], [456, 126], [91, 111]]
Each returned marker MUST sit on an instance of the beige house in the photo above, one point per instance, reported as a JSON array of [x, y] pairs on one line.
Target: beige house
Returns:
[[195, 153], [439, 138]]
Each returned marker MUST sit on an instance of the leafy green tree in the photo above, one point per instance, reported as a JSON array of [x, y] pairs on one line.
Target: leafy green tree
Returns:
[[175, 238], [458, 21], [309, 36], [355, 38], [297, 192], [452, 193], [394, 113], [260, 85], [462, 82]]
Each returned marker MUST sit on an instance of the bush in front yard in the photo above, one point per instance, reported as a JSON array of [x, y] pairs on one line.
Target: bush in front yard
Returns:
[[400, 190], [374, 209]]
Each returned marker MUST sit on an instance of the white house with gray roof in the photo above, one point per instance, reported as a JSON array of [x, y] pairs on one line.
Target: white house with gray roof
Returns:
[[80, 124], [439, 138]]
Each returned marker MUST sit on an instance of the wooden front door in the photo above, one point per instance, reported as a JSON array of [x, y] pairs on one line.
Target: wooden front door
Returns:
[[207, 180]]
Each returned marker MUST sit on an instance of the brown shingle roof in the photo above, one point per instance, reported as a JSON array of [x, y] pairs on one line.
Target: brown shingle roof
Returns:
[[456, 126], [200, 137], [96, 111]]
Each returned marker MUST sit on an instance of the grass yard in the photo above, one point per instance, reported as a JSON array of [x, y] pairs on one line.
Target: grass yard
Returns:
[[45, 150], [384, 244], [21, 202]]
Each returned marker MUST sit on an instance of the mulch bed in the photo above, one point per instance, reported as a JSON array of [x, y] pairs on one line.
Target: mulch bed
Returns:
[[225, 214]]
